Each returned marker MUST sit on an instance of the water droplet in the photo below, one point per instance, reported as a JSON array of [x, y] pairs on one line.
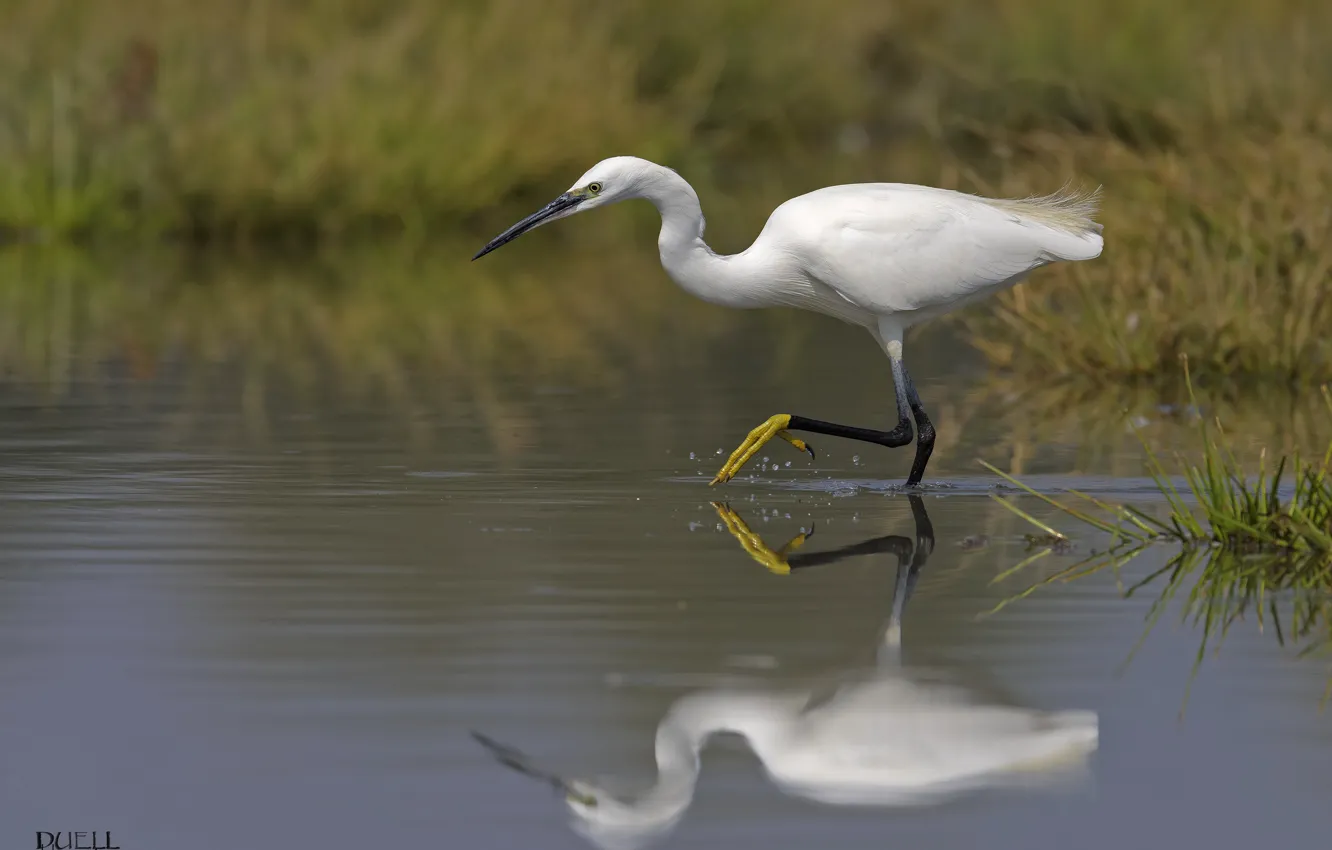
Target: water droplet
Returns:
[[788, 463], [855, 459], [691, 456], [765, 458]]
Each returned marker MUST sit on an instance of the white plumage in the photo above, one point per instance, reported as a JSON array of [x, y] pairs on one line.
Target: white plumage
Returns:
[[883, 256], [909, 253], [891, 735], [893, 738]]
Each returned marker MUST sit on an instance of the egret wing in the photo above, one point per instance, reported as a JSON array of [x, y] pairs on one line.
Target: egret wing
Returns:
[[890, 248]]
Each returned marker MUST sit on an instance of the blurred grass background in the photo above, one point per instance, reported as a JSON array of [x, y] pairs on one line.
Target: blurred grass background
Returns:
[[317, 123]]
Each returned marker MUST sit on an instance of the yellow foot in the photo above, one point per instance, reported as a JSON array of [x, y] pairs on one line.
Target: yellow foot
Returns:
[[775, 561], [757, 439]]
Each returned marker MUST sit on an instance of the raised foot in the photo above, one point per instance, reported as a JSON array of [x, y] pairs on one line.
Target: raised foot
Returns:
[[775, 426], [773, 559]]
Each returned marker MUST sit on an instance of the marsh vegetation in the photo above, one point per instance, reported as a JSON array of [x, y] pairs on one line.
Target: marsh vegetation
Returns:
[[1251, 542], [342, 122]]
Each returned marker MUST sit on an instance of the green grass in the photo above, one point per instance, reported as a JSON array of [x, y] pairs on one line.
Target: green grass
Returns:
[[1251, 544], [1284, 507], [318, 122], [300, 119], [1216, 222], [1221, 259], [1287, 595], [324, 118]]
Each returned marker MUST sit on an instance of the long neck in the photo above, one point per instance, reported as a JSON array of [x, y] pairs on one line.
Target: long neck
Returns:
[[763, 718], [680, 738], [732, 281]]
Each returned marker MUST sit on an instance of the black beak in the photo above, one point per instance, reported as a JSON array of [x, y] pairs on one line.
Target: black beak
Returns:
[[511, 758], [560, 204]]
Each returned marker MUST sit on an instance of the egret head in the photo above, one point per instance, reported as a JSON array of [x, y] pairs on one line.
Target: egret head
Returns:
[[605, 819], [610, 180], [610, 823], [582, 798]]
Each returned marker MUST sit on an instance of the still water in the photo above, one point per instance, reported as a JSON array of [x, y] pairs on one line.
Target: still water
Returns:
[[239, 613]]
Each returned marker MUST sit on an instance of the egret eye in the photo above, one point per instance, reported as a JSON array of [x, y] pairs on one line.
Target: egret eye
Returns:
[[594, 188]]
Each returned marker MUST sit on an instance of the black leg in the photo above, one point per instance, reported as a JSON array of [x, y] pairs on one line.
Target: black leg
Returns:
[[908, 407], [892, 544], [911, 555], [924, 430], [924, 541]]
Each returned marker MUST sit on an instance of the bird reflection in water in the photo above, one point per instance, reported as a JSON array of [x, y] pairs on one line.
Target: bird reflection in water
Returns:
[[891, 735]]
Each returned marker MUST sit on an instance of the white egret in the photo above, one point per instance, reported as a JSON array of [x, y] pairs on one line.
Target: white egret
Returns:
[[883, 256], [889, 736]]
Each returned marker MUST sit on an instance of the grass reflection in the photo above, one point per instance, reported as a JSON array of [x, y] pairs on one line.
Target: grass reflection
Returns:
[[415, 330], [1260, 419], [371, 318], [1250, 544], [1284, 594]]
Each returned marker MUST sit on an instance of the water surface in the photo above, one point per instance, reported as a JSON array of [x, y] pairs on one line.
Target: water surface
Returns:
[[243, 605]]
